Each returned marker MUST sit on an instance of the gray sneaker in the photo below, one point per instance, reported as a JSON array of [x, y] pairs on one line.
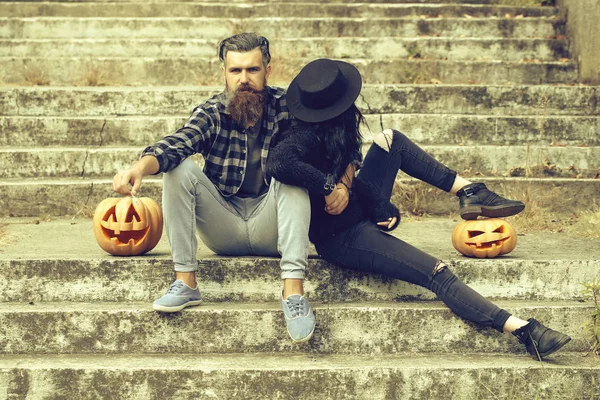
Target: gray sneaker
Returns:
[[178, 297], [299, 318]]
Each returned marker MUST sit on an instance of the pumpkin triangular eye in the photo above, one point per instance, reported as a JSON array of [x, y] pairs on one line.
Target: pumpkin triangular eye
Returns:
[[472, 234], [499, 229], [131, 214], [110, 212]]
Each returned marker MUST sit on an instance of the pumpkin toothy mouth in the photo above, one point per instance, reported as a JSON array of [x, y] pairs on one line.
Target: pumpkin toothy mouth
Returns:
[[125, 237], [488, 245]]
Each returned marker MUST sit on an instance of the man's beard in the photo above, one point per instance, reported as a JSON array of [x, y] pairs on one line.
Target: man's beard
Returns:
[[246, 105]]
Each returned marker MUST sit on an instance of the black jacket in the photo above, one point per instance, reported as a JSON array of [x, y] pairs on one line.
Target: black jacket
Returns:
[[300, 159]]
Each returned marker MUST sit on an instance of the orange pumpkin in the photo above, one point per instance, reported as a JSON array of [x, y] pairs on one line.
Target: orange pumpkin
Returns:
[[483, 238], [128, 226]]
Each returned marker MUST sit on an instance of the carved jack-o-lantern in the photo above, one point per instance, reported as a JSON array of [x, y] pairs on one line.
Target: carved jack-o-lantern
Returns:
[[482, 238], [128, 226]]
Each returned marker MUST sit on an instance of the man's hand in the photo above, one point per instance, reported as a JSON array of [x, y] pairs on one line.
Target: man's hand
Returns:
[[133, 176], [337, 201], [126, 177]]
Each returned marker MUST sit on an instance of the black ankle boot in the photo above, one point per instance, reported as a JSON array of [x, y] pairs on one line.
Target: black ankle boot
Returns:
[[476, 199], [539, 340]]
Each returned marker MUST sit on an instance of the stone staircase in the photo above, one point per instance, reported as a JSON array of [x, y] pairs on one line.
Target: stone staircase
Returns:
[[488, 87]]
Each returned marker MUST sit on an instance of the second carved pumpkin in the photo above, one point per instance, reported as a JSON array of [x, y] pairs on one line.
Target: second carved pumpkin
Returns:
[[483, 238]]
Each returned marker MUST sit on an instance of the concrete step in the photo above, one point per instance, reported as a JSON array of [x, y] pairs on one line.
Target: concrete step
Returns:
[[108, 279], [451, 129], [218, 28], [252, 3], [42, 198], [65, 162], [278, 9], [69, 266], [494, 100], [299, 376], [184, 71], [342, 328], [373, 48]]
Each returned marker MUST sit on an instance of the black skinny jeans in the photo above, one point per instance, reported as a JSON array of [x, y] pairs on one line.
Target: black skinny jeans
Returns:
[[364, 247]]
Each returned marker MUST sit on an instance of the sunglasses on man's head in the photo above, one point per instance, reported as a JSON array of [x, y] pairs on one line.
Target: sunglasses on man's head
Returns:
[[263, 43]]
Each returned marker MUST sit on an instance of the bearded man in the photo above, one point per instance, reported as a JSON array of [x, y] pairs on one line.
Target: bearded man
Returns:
[[235, 208]]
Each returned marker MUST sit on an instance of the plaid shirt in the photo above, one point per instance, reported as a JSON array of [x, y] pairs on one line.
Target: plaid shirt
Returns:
[[221, 141]]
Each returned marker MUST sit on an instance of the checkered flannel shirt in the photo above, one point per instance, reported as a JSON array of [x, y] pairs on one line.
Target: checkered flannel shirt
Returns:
[[211, 132]]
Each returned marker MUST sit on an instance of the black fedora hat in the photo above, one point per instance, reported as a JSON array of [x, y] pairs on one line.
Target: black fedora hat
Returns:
[[323, 90]]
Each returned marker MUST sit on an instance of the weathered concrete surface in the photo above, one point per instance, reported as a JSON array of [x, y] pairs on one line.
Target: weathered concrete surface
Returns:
[[506, 49], [264, 9], [520, 3], [298, 377], [342, 328], [69, 197], [584, 32], [103, 279], [185, 71], [175, 71], [575, 161], [70, 266], [424, 129], [65, 162], [218, 28], [496, 100]]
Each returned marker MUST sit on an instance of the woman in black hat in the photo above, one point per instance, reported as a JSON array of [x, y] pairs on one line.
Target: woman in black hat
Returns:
[[316, 154]]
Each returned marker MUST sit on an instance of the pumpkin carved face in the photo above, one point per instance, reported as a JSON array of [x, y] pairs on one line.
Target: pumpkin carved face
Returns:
[[483, 238], [128, 226]]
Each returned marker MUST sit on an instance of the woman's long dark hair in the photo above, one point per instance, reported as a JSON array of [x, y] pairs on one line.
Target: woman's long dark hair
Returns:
[[342, 139]]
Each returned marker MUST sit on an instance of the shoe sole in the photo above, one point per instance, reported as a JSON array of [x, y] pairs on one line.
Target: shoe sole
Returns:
[[558, 346], [158, 307], [472, 212]]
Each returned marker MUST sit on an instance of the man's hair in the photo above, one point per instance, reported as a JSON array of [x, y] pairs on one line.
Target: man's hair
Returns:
[[243, 42]]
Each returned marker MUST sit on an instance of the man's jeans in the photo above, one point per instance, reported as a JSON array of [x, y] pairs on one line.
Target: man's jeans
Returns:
[[365, 247], [273, 224]]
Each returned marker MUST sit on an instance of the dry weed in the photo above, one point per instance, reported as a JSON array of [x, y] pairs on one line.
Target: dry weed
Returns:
[[84, 211], [545, 211], [5, 238], [35, 75], [592, 326], [94, 76], [586, 224], [409, 197]]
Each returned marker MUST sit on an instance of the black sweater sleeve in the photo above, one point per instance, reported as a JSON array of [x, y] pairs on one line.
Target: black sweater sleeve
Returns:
[[292, 161], [377, 207]]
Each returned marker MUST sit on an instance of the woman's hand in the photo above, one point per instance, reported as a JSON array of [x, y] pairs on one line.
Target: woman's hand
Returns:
[[337, 201], [388, 224], [386, 215]]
